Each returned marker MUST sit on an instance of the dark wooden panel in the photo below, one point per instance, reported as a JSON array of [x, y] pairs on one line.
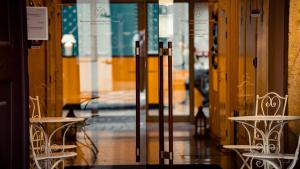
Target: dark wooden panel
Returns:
[[5, 128], [277, 46], [3, 21], [13, 86], [4, 67]]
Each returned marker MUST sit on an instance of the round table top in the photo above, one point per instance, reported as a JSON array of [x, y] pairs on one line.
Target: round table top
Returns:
[[56, 119], [264, 118]]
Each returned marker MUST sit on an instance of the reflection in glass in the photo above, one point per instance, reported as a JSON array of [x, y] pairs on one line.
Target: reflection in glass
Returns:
[[68, 40], [69, 30], [104, 35]]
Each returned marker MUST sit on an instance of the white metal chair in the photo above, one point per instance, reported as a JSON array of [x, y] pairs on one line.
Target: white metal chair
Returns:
[[274, 159], [41, 154], [269, 104], [34, 106]]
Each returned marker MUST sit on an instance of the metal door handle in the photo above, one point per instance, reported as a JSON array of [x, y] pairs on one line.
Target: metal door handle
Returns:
[[162, 154], [137, 99], [170, 89], [161, 102]]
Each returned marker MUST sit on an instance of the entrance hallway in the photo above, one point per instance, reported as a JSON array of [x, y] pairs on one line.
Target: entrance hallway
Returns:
[[113, 133]]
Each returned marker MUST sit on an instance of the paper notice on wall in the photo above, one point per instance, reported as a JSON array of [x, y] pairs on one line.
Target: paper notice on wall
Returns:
[[37, 23]]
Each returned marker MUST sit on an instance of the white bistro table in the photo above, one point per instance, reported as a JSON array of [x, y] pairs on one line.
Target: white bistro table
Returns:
[[65, 121], [271, 126]]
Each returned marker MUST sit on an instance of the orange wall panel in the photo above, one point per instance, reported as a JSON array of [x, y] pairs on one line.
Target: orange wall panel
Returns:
[[71, 87]]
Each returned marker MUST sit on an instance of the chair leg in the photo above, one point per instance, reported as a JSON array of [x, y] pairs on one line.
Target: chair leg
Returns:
[[56, 163], [245, 160]]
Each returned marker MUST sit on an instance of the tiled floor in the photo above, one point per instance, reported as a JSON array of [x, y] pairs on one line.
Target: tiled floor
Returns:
[[126, 98], [113, 133]]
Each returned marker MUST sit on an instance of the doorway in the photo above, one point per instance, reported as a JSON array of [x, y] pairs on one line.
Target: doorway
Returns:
[[100, 79], [106, 88]]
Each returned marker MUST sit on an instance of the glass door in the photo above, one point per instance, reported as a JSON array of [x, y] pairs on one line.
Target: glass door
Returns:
[[168, 21], [104, 80]]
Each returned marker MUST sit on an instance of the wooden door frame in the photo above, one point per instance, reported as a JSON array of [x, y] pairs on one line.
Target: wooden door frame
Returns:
[[17, 120]]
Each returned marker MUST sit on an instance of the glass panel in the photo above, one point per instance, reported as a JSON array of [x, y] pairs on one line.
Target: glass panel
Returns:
[[69, 30], [124, 28], [98, 45], [169, 21], [152, 28], [201, 61]]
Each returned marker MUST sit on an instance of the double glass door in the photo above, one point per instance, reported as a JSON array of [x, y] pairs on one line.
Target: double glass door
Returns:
[[104, 62], [127, 57]]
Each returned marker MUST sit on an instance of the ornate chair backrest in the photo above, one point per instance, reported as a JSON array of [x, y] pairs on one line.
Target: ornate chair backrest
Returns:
[[38, 142], [270, 104], [34, 106]]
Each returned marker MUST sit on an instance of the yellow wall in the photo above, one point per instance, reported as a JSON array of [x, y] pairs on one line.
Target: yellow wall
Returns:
[[37, 75], [119, 74], [232, 85], [71, 87], [294, 68], [44, 65]]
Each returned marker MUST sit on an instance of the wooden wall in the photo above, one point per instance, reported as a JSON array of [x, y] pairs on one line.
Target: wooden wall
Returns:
[[294, 72], [223, 80], [242, 39], [45, 65], [213, 84], [37, 74]]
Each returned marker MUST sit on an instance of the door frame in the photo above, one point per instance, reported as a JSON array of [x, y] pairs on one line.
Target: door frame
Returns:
[[14, 75]]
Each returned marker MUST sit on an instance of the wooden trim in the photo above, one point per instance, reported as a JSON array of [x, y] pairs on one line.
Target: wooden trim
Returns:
[[286, 54], [24, 118], [191, 62]]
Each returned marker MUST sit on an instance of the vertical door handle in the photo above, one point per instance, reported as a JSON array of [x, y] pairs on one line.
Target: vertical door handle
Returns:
[[170, 92], [162, 154], [137, 99], [161, 103]]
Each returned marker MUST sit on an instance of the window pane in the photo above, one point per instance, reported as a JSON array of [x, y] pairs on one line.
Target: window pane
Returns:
[[112, 29], [124, 28], [152, 28], [69, 30]]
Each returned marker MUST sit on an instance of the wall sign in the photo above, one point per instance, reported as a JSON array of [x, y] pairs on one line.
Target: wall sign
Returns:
[[37, 23]]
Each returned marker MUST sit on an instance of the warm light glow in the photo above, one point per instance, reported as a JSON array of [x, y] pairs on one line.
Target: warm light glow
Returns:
[[166, 2], [68, 40], [165, 26]]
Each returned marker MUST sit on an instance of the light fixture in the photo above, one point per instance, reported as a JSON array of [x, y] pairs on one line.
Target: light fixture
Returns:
[[166, 26], [165, 2], [68, 40]]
